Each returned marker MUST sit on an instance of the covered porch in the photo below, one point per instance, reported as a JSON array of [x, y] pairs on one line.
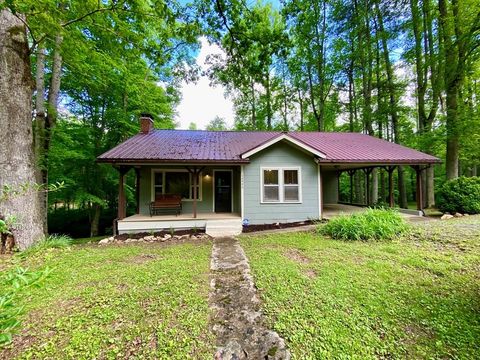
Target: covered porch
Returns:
[[353, 186], [208, 197]]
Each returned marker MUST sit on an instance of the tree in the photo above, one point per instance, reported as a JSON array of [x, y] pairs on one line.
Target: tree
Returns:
[[17, 167], [217, 124], [192, 126]]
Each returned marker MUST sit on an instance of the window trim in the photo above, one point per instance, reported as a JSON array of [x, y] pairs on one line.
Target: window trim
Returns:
[[190, 187], [281, 185]]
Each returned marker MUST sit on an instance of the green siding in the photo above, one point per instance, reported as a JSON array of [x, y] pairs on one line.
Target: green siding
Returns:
[[281, 155], [203, 206]]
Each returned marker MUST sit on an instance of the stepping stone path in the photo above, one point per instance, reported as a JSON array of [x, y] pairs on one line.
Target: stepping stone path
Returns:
[[236, 318]]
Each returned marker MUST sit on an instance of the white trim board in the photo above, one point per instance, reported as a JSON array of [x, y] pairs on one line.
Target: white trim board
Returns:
[[280, 138]]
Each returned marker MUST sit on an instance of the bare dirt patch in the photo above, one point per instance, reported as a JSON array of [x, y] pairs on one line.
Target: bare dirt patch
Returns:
[[310, 273], [296, 256], [142, 259]]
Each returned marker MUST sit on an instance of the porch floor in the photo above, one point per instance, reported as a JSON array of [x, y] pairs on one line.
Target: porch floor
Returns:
[[215, 224], [186, 216]]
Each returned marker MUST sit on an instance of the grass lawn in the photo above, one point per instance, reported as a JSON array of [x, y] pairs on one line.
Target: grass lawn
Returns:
[[416, 297], [139, 301]]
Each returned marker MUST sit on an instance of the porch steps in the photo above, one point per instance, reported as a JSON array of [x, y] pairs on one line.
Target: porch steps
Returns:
[[224, 227]]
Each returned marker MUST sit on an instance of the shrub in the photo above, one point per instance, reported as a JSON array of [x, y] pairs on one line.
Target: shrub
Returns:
[[372, 224], [460, 195], [50, 242], [12, 283]]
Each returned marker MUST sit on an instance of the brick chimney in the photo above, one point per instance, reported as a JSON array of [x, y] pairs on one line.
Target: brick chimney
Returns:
[[146, 123]]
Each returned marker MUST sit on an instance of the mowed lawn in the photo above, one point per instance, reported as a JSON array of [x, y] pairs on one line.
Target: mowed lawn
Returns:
[[144, 301], [416, 297]]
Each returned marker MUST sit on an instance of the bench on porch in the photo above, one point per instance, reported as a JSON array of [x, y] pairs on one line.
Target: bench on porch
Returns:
[[166, 203]]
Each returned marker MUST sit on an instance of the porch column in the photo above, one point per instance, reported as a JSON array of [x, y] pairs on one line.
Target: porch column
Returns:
[[368, 171], [242, 191], [195, 180], [137, 188], [391, 199], [419, 194], [351, 173], [122, 208], [194, 172]]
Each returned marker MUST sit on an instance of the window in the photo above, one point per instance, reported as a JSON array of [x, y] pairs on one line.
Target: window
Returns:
[[175, 182], [271, 186], [290, 185], [281, 185]]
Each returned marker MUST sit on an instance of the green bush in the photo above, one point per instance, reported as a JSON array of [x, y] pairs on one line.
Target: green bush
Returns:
[[50, 242], [372, 224], [460, 195], [12, 284]]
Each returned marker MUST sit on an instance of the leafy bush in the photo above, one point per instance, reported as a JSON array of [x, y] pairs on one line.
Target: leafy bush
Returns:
[[11, 283], [460, 195], [372, 224]]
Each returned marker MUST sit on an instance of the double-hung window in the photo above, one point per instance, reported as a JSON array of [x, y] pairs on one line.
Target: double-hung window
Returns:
[[281, 185], [176, 182]]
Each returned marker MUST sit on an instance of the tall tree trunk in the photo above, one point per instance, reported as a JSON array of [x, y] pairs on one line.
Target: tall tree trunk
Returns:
[[300, 102], [17, 164], [254, 112], [269, 102], [95, 220], [39, 132], [393, 104]]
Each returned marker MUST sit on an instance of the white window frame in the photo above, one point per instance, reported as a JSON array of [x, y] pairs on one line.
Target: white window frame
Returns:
[[281, 188], [190, 187]]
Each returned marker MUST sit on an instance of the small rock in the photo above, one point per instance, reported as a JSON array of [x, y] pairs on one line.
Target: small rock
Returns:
[[446, 217], [149, 237], [466, 214], [103, 241], [458, 215], [111, 238], [184, 237], [167, 236], [176, 237], [128, 241]]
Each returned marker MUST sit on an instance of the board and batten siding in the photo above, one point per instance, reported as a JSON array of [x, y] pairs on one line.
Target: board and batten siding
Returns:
[[281, 155]]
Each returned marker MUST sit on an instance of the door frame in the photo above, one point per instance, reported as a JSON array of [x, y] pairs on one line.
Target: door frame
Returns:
[[213, 188]]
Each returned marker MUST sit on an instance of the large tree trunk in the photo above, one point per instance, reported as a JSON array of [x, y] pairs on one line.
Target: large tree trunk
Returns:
[[16, 152]]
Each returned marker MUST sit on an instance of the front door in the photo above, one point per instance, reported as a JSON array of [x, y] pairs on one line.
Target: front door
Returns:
[[223, 191]]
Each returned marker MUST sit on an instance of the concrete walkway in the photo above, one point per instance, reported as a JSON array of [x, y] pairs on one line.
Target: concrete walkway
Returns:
[[236, 318]]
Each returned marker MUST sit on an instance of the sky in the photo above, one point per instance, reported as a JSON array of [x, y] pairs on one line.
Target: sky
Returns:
[[201, 102]]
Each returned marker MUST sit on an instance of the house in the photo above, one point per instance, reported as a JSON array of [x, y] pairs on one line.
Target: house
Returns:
[[229, 178]]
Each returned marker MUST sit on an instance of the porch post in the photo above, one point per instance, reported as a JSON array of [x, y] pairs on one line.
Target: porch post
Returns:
[[137, 188], [122, 209], [419, 194], [195, 174], [368, 171], [242, 192], [351, 173], [391, 200]]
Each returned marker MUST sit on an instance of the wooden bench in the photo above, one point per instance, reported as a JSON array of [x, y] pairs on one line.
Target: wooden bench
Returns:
[[166, 203]]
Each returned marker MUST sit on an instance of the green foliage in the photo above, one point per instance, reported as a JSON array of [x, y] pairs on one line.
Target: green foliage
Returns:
[[12, 283], [217, 124], [460, 195], [410, 298], [50, 242], [372, 224]]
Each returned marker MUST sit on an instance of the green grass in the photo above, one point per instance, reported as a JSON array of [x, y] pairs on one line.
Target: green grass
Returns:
[[143, 301], [415, 297]]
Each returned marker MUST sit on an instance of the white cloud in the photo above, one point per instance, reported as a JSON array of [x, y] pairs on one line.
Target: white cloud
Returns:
[[201, 102]]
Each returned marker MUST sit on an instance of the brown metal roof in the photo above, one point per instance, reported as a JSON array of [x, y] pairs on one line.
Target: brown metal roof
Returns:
[[228, 146]]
